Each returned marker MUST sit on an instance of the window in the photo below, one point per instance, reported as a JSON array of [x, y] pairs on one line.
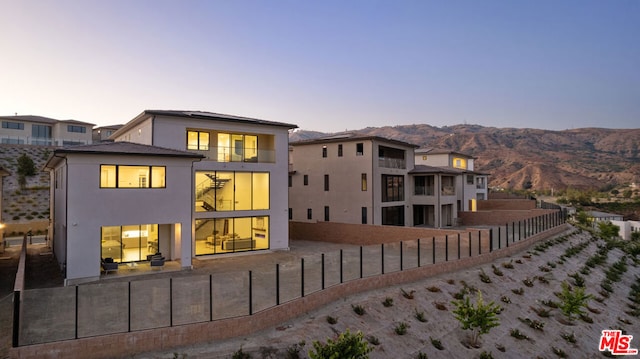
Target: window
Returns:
[[460, 163], [237, 148], [448, 187], [305, 180], [393, 216], [75, 128], [340, 150], [326, 213], [470, 179], [41, 134], [231, 191], [290, 213], [363, 182], [231, 234], [115, 176], [13, 125], [12, 141], [326, 182], [129, 243], [309, 214], [324, 151], [197, 140], [423, 185], [364, 215], [392, 188], [359, 149]]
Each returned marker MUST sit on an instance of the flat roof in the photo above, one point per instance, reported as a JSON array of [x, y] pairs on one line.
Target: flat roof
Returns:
[[41, 119], [421, 169], [350, 137]]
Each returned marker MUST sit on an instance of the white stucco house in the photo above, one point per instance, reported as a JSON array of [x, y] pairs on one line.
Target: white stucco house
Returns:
[[184, 183]]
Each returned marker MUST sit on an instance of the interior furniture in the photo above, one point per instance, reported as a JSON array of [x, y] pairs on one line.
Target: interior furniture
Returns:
[[108, 265]]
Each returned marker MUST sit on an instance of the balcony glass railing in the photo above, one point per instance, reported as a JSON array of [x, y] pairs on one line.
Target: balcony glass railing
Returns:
[[391, 162], [231, 154]]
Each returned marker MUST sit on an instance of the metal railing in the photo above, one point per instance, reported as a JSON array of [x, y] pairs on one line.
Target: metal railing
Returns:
[[120, 307]]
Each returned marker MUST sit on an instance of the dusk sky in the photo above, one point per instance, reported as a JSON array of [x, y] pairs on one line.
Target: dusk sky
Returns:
[[326, 65]]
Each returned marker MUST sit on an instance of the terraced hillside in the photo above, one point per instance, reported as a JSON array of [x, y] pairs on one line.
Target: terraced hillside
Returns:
[[24, 208]]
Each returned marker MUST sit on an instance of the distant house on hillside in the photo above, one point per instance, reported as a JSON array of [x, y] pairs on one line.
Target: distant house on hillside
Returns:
[[44, 131], [102, 133]]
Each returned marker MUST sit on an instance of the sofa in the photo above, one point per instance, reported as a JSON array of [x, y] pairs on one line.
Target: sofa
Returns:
[[108, 265]]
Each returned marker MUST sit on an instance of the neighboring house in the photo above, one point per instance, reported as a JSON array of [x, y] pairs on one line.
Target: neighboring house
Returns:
[[182, 183], [627, 228], [102, 134], [351, 179], [373, 180], [596, 216], [38, 130], [470, 186]]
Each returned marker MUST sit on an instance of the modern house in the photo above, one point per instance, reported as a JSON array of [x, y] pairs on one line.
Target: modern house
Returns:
[[182, 183], [350, 179], [373, 180], [103, 133], [44, 131]]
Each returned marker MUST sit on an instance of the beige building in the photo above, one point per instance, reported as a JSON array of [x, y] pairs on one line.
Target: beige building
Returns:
[[373, 180], [350, 179], [44, 131]]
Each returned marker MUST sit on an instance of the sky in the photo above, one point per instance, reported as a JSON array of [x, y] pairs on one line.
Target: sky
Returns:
[[326, 65]]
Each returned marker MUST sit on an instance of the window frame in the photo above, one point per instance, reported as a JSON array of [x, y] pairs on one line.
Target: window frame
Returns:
[[150, 180], [199, 146], [10, 125], [76, 129]]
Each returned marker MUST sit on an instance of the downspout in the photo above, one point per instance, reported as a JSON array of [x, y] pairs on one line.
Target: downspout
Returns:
[[438, 207], [153, 129]]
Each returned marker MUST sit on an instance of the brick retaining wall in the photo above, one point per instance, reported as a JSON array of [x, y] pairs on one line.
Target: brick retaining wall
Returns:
[[499, 218], [127, 344]]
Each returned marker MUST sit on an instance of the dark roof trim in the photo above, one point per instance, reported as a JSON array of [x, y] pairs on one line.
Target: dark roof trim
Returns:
[[336, 139]]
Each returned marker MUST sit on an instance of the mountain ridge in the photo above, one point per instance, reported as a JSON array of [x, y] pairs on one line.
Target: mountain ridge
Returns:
[[580, 158]]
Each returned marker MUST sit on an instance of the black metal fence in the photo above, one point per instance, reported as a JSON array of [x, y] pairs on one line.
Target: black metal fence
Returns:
[[64, 313]]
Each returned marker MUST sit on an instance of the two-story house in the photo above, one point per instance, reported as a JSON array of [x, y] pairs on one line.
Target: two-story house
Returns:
[[44, 131], [183, 183], [350, 179]]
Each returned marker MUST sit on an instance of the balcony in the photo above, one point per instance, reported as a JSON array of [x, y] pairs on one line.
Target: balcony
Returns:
[[392, 162], [231, 154]]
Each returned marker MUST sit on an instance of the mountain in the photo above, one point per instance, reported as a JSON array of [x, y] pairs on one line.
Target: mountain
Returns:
[[584, 158]]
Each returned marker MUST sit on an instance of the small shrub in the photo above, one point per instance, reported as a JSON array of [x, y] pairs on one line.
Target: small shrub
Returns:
[[528, 282], [332, 320], [478, 317], [544, 269], [451, 281], [501, 348], [625, 321], [436, 343], [293, 350], [268, 352], [607, 285], [239, 354], [518, 291], [573, 300], [408, 295], [420, 316], [440, 305], [508, 265], [505, 299], [421, 355], [586, 318], [542, 279], [559, 352], [346, 345], [518, 334], [519, 261], [570, 338], [541, 312], [486, 355], [497, 271], [373, 340], [358, 309], [533, 324], [401, 328], [434, 289], [551, 264], [578, 280], [484, 277], [388, 302]]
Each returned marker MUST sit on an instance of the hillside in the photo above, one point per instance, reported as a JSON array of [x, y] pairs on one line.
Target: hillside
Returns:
[[586, 158], [22, 206]]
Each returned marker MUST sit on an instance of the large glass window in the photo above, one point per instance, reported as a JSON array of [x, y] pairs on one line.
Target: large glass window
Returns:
[[231, 191], [119, 176], [227, 235], [237, 148], [448, 187], [13, 125], [198, 140], [75, 128], [393, 216], [424, 185], [41, 134], [392, 188], [130, 243]]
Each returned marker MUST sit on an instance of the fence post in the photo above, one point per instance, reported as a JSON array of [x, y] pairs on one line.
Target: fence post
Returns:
[[250, 293], [341, 281], [322, 270], [302, 277], [506, 233], [277, 283], [16, 318], [360, 261], [210, 297], [513, 232], [433, 249], [499, 241], [76, 329], [171, 302], [129, 306], [479, 242], [446, 248], [401, 266], [418, 252], [469, 244], [381, 258], [458, 245], [519, 230]]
